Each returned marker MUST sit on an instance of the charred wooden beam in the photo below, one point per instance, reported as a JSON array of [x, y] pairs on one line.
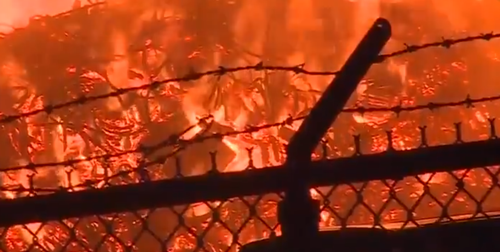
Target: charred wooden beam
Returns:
[[387, 165]]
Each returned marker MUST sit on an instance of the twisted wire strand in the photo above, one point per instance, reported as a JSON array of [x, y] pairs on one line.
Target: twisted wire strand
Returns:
[[175, 140], [299, 69]]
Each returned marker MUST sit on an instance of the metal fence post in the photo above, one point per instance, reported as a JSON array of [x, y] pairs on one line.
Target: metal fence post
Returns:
[[298, 212]]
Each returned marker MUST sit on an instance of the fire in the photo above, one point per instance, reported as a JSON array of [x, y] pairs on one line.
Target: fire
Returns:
[[123, 44]]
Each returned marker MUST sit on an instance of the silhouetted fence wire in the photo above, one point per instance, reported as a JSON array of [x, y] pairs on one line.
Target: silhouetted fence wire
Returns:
[[49, 108], [390, 169], [467, 102]]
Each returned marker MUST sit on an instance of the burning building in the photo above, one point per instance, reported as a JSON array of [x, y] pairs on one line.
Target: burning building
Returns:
[[61, 51]]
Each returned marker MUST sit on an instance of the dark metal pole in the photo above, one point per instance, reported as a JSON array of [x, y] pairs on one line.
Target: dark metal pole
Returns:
[[298, 212]]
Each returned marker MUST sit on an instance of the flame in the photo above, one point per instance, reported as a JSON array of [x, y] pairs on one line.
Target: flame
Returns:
[[318, 34]]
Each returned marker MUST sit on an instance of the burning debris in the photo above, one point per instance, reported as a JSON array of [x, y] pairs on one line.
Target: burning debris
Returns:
[[99, 48]]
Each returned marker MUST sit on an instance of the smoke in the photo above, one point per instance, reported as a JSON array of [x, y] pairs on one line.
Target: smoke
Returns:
[[17, 13]]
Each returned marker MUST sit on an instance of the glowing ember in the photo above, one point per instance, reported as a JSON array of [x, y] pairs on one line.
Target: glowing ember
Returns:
[[124, 44]]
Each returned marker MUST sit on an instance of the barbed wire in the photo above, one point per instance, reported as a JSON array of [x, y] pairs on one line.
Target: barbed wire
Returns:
[[298, 69], [468, 102], [161, 159], [176, 139]]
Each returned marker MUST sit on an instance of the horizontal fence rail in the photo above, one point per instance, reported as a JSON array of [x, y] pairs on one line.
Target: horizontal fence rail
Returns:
[[392, 165], [148, 215]]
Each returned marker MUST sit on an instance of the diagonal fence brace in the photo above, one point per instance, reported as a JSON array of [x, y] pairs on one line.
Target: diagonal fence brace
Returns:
[[298, 212]]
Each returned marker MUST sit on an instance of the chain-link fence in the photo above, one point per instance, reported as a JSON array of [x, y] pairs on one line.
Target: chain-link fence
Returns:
[[226, 225], [400, 202]]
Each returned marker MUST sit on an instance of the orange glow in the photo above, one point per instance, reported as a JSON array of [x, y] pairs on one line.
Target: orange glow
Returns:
[[118, 52], [18, 12]]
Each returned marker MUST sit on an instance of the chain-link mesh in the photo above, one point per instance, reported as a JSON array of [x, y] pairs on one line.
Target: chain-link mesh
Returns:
[[225, 226]]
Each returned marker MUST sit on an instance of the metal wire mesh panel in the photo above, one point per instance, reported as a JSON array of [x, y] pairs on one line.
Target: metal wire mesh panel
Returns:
[[225, 226]]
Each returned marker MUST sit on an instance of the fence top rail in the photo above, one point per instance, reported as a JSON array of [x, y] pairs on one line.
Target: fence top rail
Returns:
[[386, 165]]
